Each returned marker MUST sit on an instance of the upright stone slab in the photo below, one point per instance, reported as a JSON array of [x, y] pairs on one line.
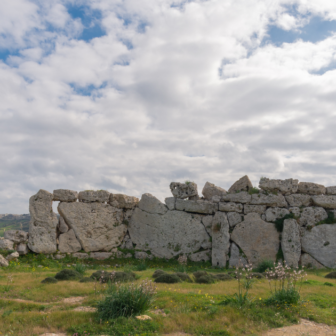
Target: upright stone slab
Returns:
[[183, 190], [243, 184], [68, 242], [309, 262], [170, 202], [151, 204], [240, 197], [220, 239], [98, 227], [290, 243], [43, 223], [310, 188], [284, 187], [236, 259], [210, 190]]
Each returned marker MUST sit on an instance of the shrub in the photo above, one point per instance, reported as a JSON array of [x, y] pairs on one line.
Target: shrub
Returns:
[[86, 279], [328, 284], [329, 220], [280, 221], [157, 273], [223, 277], [184, 277], [253, 190], [68, 274], [331, 275], [256, 275], [264, 265], [198, 274], [284, 297], [126, 300], [105, 277], [80, 268], [205, 279], [167, 278], [49, 280], [140, 267]]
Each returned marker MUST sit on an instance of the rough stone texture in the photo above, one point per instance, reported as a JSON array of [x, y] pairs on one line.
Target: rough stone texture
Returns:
[[140, 255], [59, 256], [324, 201], [235, 258], [65, 195], [320, 243], [230, 206], [290, 243], [220, 239], [284, 187], [62, 226], [331, 190], [298, 200], [203, 207], [151, 204], [272, 214], [269, 200], [210, 190], [80, 255], [241, 197], [243, 184], [100, 255], [16, 236], [22, 248], [207, 222], [311, 188], [3, 261], [90, 196], [167, 235], [170, 202], [127, 243], [309, 262], [259, 240], [234, 218], [12, 256], [312, 215], [43, 223], [68, 242], [123, 201], [200, 256], [97, 226], [296, 211], [183, 190], [260, 209], [128, 255]]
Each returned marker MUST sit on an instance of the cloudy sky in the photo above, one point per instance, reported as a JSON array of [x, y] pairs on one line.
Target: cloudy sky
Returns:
[[129, 95]]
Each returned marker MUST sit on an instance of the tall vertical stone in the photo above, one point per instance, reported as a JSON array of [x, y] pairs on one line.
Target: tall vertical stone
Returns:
[[290, 242]]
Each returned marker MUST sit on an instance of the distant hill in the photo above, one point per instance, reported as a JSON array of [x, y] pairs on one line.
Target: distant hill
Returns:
[[13, 222]]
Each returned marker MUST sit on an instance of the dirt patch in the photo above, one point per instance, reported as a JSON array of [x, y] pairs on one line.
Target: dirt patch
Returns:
[[158, 312], [73, 300], [48, 334], [86, 309], [177, 334]]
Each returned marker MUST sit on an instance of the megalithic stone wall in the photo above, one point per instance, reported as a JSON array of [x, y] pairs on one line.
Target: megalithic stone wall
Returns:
[[221, 226]]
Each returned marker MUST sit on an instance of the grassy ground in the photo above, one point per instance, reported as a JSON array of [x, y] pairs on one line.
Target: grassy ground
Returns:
[[29, 308]]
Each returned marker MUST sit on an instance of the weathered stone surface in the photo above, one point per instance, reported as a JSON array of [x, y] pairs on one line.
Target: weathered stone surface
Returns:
[[123, 201], [236, 259], [80, 255], [220, 239], [100, 255], [65, 195], [167, 235], [331, 190], [60, 256], [234, 218], [16, 236], [298, 200], [311, 188], [309, 262], [128, 255], [295, 211], [320, 243], [324, 201], [183, 190], [269, 200], [259, 240], [170, 202], [240, 197], [97, 226], [194, 198], [127, 243], [207, 222], [6, 244], [90, 196], [43, 223], [230, 206], [22, 248], [284, 187], [260, 209], [210, 190], [290, 243], [203, 207], [140, 255], [272, 214], [151, 204], [62, 226], [3, 261], [12, 256], [200, 256], [68, 242], [243, 184], [312, 215]]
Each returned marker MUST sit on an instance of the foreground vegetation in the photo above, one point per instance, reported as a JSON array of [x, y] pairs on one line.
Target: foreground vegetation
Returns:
[[29, 307]]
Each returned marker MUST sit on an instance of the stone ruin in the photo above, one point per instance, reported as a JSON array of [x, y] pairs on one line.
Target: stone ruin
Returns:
[[221, 226]]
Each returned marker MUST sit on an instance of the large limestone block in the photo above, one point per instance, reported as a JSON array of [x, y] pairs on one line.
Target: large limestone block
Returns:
[[230, 206], [97, 226], [320, 243], [220, 239], [331, 190], [43, 223], [236, 258], [309, 262], [16, 236], [3, 261], [243, 184], [68, 242], [272, 214], [260, 209], [311, 188], [90, 196], [240, 197], [234, 218], [202, 207], [269, 200], [12, 256], [284, 187], [324, 201], [80, 255], [170, 202], [167, 235], [65, 195], [151, 204], [210, 190], [100, 255], [312, 215], [290, 242], [183, 190], [258, 239], [298, 200], [295, 211], [207, 222], [62, 226], [200, 256], [22, 248], [123, 201], [6, 244], [127, 243]]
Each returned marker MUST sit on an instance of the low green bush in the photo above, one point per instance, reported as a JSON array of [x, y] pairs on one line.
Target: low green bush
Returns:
[[106, 277], [87, 279], [331, 275], [68, 274], [167, 278], [328, 284], [284, 297], [184, 277], [205, 279], [140, 267], [264, 265], [157, 273], [80, 268], [49, 280], [223, 277]]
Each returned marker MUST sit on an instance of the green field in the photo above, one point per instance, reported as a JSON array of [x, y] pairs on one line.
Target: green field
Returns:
[[9, 222]]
